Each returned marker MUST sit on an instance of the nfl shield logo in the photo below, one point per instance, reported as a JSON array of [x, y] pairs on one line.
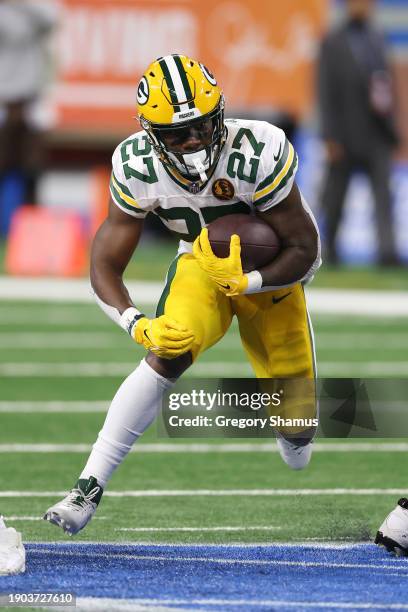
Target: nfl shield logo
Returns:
[[194, 187]]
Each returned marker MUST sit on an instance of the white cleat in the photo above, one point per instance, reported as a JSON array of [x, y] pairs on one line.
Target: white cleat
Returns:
[[393, 533], [75, 511], [12, 552], [296, 456]]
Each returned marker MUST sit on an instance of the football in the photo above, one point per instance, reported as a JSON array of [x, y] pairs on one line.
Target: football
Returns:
[[259, 243]]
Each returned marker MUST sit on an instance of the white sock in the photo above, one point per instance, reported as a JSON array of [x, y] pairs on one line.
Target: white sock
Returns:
[[134, 407]]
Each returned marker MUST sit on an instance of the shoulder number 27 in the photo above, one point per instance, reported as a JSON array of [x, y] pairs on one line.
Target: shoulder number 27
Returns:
[[237, 161]]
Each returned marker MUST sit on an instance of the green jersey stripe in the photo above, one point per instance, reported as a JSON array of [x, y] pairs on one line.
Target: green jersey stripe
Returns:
[[170, 85], [169, 279], [122, 186], [282, 161], [184, 80], [121, 202], [282, 184]]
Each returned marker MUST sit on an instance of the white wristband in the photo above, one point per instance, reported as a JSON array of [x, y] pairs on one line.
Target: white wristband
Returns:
[[254, 282], [129, 318]]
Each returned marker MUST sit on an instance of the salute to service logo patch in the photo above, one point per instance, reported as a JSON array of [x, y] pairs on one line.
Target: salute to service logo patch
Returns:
[[223, 190]]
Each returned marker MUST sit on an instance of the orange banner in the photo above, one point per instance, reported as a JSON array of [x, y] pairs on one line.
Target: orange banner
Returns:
[[261, 52]]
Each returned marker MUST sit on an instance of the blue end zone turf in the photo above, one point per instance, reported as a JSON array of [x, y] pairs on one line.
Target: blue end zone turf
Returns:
[[277, 577]]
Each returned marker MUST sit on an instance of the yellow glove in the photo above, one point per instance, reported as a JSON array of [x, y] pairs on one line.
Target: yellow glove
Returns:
[[226, 272], [164, 336]]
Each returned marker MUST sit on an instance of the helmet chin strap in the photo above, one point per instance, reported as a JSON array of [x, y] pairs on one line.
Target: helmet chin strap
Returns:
[[199, 166]]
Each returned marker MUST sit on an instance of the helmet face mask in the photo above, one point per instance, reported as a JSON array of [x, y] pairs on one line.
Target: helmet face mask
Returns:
[[191, 147], [198, 140]]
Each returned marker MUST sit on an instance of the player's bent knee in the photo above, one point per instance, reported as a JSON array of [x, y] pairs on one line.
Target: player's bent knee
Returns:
[[169, 368]]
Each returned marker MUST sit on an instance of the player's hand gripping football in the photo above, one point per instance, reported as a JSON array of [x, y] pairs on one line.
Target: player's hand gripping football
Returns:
[[226, 272], [164, 336]]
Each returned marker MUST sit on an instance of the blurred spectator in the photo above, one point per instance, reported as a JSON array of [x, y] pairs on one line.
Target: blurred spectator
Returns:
[[357, 119], [24, 28]]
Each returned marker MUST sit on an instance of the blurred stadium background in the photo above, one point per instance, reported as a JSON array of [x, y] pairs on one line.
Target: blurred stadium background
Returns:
[[61, 360], [265, 64]]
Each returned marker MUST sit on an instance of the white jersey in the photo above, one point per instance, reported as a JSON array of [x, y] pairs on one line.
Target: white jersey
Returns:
[[256, 170]]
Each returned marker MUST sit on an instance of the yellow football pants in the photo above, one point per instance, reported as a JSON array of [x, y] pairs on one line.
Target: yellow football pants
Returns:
[[274, 327]]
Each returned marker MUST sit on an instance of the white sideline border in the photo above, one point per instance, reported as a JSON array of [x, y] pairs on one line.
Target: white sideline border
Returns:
[[320, 301], [216, 493], [327, 544], [320, 544]]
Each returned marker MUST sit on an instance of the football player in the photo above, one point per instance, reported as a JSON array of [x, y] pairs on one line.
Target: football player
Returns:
[[393, 533], [189, 166]]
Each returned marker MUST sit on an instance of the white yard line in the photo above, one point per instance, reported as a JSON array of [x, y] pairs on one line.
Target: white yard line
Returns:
[[62, 340], [216, 493], [210, 369], [101, 406], [201, 529], [339, 301], [205, 448], [40, 518], [55, 406], [45, 448], [146, 605]]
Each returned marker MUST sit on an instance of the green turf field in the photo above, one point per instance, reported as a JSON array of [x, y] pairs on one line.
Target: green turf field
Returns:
[[73, 353]]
